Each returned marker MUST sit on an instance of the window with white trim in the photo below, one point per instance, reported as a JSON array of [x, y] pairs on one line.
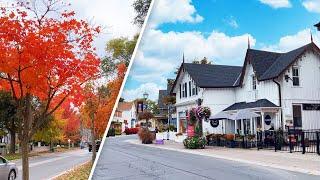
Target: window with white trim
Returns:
[[193, 89], [254, 82], [295, 76]]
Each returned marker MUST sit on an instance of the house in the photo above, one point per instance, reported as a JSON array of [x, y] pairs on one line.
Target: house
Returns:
[[162, 116], [125, 116], [283, 88]]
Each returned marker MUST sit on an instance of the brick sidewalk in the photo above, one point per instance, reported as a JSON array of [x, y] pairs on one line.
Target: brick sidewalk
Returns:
[[304, 163]]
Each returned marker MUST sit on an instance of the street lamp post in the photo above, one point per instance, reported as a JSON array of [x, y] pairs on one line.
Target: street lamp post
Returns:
[[144, 107]]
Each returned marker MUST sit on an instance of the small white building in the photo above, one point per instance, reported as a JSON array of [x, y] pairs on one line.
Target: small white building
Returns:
[[125, 116], [284, 88]]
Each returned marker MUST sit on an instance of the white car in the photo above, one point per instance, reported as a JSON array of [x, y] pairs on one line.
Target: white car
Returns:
[[8, 170]]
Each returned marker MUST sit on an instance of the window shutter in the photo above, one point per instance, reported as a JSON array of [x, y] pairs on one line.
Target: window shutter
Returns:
[[189, 88]]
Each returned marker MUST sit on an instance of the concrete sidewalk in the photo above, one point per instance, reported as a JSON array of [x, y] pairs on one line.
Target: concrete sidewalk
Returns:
[[297, 162]]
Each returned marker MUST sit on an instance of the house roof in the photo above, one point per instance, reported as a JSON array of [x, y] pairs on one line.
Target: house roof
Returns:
[[245, 105], [266, 65], [213, 76], [269, 65], [285, 60], [124, 106]]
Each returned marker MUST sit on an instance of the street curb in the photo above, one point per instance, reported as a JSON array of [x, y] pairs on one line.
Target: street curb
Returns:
[[294, 169], [69, 170]]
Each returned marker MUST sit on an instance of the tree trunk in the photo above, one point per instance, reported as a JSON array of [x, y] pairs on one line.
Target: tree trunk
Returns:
[[25, 159], [93, 143], [12, 149]]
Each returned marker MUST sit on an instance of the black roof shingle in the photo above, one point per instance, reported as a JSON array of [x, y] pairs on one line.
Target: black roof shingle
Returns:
[[244, 105], [213, 76]]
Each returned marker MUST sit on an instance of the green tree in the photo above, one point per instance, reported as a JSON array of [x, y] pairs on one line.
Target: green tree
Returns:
[[51, 132], [204, 60], [141, 8], [119, 50], [8, 117]]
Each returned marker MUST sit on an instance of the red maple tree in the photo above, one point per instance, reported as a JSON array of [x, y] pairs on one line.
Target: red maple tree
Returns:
[[44, 59]]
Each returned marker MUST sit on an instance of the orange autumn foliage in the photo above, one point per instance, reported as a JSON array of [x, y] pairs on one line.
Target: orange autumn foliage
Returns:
[[103, 107], [48, 58]]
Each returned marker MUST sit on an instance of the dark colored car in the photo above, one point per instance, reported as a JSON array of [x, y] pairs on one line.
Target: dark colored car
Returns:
[[97, 146]]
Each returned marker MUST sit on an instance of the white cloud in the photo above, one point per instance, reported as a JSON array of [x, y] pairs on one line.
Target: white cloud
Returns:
[[277, 3], [114, 16], [151, 88], [290, 42], [168, 11], [312, 5], [161, 53], [231, 21]]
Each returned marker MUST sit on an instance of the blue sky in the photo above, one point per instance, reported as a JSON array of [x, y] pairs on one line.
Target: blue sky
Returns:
[[217, 29]]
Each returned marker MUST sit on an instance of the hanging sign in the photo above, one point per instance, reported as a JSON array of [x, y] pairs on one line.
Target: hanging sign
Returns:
[[214, 123], [311, 107]]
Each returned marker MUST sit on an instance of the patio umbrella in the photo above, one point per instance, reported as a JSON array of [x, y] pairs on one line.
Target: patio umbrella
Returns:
[[220, 115], [244, 114]]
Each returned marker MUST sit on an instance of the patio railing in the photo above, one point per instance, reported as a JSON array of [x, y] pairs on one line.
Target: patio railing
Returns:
[[304, 141], [293, 140]]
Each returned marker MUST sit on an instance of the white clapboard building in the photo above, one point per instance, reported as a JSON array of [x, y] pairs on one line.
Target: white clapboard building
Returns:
[[284, 88]]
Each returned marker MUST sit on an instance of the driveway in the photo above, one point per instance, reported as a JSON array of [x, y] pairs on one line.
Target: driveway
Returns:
[[120, 159], [50, 165]]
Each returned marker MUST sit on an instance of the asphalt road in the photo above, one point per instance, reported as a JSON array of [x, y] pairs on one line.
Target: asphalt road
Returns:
[[122, 160], [48, 166]]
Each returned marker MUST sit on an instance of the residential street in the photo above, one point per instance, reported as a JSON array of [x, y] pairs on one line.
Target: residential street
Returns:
[[48, 166], [122, 160]]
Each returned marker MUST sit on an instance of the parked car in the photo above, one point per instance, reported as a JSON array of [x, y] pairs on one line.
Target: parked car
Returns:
[[8, 170], [97, 146]]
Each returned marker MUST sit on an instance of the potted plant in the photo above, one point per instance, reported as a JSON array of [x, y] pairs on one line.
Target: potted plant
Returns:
[[146, 136]]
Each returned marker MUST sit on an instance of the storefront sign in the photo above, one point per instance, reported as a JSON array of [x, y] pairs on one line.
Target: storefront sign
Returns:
[[214, 123], [190, 131], [311, 107]]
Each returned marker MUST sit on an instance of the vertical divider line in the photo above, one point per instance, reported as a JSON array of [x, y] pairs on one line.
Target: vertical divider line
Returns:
[[121, 88]]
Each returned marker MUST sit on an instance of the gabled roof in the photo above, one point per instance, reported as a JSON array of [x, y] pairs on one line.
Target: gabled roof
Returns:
[[266, 65], [213, 76], [286, 60], [269, 65], [256, 104]]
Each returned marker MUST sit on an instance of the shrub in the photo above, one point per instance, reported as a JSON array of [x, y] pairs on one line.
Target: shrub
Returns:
[[195, 142], [146, 136], [129, 131]]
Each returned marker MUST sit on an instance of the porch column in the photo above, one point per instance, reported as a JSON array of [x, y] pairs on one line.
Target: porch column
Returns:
[[251, 125], [242, 126], [235, 126], [262, 120], [254, 125]]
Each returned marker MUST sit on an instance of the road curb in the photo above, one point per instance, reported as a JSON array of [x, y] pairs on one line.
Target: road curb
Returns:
[[69, 170], [294, 169]]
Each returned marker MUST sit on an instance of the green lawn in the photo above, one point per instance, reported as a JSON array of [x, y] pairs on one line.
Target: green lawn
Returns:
[[81, 172]]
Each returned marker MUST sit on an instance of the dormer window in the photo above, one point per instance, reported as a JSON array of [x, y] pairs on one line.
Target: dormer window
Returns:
[[254, 82], [295, 76]]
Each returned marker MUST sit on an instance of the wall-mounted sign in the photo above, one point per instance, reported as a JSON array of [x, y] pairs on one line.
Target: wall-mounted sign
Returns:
[[214, 123], [311, 107]]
